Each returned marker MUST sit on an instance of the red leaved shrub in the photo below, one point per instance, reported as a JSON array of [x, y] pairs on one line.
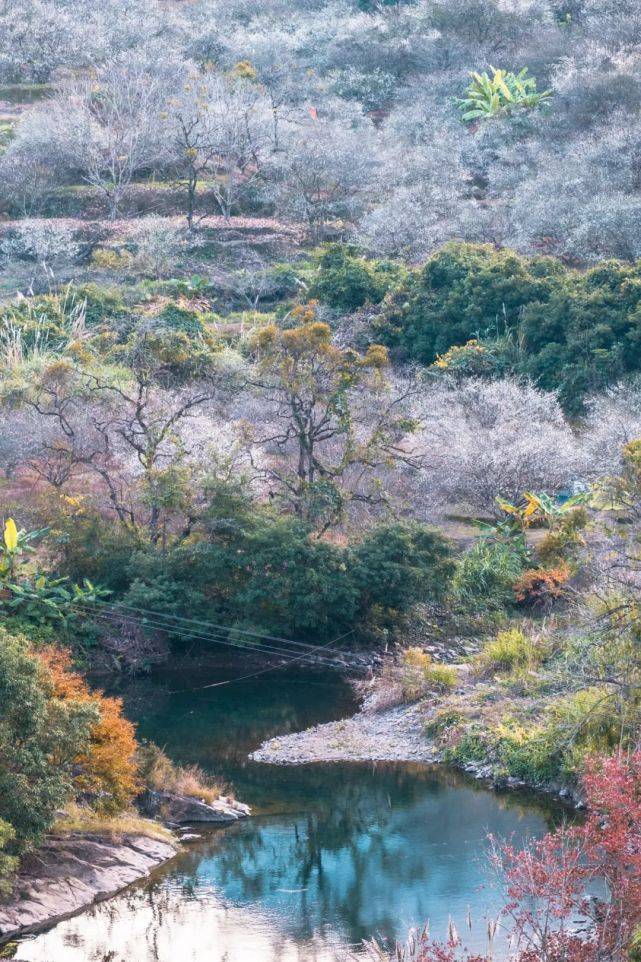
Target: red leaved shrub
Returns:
[[540, 587], [551, 885]]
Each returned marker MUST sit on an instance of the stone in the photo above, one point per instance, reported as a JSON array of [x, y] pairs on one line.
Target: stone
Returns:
[[183, 809], [396, 734], [69, 873]]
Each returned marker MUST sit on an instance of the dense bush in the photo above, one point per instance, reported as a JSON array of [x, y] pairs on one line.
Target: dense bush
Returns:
[[464, 291], [178, 318], [41, 736], [270, 573], [573, 332], [58, 742], [346, 281]]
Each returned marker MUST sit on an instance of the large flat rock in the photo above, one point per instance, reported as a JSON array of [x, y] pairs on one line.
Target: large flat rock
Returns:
[[67, 874]]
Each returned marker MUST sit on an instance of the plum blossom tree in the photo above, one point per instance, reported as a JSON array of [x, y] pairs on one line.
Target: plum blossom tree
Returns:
[[217, 124], [129, 429], [325, 170], [105, 126], [482, 440], [39, 39], [613, 420]]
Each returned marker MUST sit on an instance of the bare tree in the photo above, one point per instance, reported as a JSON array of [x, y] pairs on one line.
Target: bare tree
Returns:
[[106, 126], [130, 430]]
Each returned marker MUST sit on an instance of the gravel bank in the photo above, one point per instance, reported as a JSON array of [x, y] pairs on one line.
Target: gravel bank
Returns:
[[394, 735]]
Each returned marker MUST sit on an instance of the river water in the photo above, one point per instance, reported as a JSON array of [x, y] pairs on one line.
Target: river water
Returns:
[[334, 854]]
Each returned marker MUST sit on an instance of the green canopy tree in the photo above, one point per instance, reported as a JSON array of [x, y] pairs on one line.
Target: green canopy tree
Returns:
[[332, 417], [40, 738]]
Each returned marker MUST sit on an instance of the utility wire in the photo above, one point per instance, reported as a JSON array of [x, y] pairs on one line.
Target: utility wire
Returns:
[[255, 674], [108, 614], [190, 633], [206, 624]]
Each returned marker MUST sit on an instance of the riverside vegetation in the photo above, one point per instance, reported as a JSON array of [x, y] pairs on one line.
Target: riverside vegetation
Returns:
[[308, 331]]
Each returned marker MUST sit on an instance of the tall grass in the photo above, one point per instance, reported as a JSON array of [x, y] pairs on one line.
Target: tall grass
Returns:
[[47, 327]]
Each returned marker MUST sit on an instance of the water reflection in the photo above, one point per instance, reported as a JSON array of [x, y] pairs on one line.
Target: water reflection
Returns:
[[346, 852]]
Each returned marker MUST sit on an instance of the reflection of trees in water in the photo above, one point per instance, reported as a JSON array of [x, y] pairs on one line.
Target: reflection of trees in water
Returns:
[[362, 840], [170, 913], [376, 848], [372, 836], [227, 722]]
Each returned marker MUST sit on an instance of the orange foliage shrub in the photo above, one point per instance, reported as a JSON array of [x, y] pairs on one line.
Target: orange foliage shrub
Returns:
[[108, 769], [539, 587]]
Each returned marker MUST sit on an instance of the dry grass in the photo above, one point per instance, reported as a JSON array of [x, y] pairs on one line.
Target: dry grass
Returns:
[[160, 774], [415, 675], [193, 782], [79, 819]]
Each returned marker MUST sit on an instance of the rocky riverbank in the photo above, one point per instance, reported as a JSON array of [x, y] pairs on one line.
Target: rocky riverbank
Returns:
[[395, 735], [67, 874], [72, 870]]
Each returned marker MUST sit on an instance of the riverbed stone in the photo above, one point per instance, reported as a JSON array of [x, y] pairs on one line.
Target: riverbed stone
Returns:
[[394, 735], [184, 810]]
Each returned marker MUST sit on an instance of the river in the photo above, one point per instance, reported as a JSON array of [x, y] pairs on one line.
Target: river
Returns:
[[333, 854]]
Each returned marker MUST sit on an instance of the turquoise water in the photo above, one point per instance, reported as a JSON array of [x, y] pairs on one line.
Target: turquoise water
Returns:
[[333, 855]]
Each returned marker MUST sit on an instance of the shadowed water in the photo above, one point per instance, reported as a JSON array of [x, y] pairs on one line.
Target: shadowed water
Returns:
[[335, 854]]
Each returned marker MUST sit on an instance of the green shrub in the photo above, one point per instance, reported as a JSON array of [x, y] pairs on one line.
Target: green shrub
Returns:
[[177, 318], [570, 331], [346, 282], [283, 281], [8, 863], [524, 753], [253, 569], [489, 359], [103, 305], [463, 291], [510, 651], [529, 753], [585, 723], [485, 575], [41, 736], [470, 747], [398, 565]]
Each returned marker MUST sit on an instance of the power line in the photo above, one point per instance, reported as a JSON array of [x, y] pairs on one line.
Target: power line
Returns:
[[310, 654], [255, 674], [208, 624], [214, 636]]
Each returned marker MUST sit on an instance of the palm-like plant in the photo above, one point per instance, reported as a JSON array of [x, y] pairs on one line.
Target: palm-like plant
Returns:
[[502, 92]]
